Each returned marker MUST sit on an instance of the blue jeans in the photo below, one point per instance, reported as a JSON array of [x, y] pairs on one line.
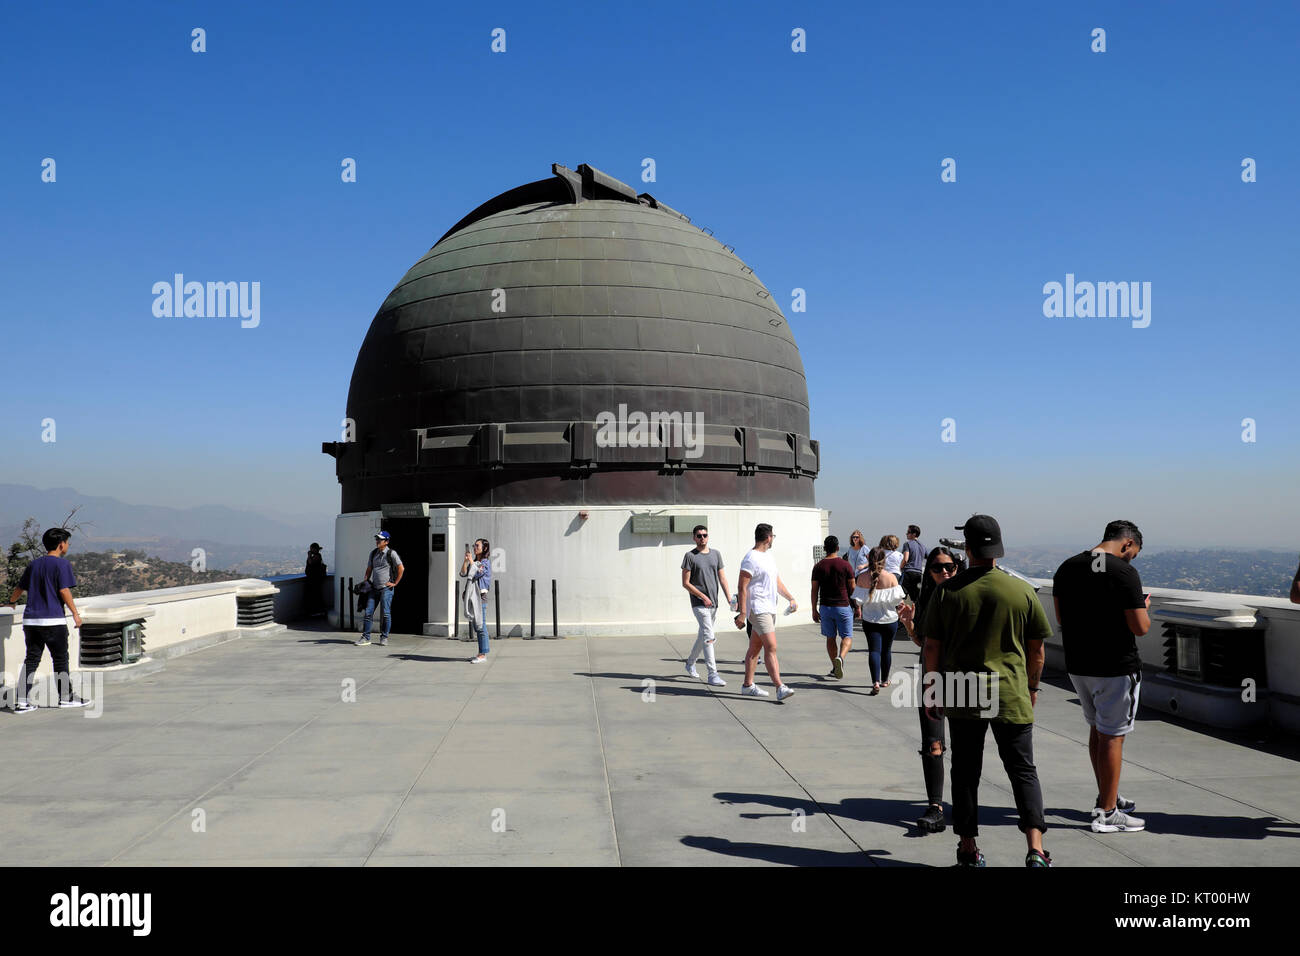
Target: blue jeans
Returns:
[[482, 627], [385, 598], [880, 641]]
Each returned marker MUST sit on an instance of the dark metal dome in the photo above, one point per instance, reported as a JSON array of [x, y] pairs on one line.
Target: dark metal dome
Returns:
[[483, 376]]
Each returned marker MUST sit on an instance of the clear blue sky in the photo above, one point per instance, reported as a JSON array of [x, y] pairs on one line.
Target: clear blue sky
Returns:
[[822, 168]]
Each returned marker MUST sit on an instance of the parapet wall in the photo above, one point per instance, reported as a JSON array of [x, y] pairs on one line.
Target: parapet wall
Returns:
[[173, 617], [1233, 703]]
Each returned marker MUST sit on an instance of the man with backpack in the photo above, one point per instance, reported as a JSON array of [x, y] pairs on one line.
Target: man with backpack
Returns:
[[384, 572]]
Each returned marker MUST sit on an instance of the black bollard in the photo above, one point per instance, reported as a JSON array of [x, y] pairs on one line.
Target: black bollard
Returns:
[[342, 601], [497, 585], [555, 618], [455, 631], [532, 608], [352, 608]]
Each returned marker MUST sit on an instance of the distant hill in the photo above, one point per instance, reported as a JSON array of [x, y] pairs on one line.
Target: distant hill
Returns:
[[115, 573], [245, 541]]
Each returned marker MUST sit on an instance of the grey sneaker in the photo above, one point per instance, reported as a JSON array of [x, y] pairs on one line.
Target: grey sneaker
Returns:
[[784, 691], [23, 707], [383, 640], [1121, 803], [838, 668], [715, 679], [692, 672], [364, 642], [1117, 821]]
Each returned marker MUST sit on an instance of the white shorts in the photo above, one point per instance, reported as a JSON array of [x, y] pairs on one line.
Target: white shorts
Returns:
[[1109, 703]]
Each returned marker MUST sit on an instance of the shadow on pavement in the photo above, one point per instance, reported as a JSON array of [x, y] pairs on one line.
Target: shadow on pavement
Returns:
[[791, 855], [900, 813], [1197, 825]]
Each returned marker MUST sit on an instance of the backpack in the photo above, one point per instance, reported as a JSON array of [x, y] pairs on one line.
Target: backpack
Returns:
[[392, 562]]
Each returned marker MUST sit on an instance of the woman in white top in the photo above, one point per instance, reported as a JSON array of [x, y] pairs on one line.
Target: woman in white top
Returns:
[[878, 592]]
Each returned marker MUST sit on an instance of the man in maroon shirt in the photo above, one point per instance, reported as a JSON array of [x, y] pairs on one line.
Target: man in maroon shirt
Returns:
[[832, 576]]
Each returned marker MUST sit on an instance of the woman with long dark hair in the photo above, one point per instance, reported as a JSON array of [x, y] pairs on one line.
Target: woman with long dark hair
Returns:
[[878, 593], [940, 565]]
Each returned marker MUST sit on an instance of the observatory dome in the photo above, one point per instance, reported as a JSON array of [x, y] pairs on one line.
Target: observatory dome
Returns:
[[487, 373]]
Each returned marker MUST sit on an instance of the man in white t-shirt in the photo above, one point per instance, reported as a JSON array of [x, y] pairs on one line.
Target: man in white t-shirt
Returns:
[[756, 599]]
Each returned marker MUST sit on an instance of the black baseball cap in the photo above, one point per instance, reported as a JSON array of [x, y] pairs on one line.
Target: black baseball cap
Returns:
[[983, 536]]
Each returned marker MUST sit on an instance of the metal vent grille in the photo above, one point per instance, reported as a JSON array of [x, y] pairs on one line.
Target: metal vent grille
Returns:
[[1215, 656], [106, 645], [255, 611]]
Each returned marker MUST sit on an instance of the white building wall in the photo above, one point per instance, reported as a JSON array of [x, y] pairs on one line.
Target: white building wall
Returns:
[[354, 538], [609, 581]]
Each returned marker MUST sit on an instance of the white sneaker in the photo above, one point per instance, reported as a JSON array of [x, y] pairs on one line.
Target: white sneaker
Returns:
[[478, 660], [1117, 820], [692, 672], [715, 679], [753, 690], [838, 666], [784, 691]]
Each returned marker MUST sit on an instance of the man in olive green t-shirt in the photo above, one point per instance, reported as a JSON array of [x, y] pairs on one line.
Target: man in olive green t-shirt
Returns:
[[984, 634]]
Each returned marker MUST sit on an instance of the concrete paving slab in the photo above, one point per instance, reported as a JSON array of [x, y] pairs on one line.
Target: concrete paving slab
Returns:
[[697, 828], [564, 765], [558, 735], [113, 776], [500, 824], [392, 737], [88, 831], [256, 826]]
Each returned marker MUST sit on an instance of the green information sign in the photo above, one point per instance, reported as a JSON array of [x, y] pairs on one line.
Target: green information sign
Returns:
[[651, 524]]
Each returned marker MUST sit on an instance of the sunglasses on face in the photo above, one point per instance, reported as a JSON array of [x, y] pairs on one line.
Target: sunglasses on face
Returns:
[[943, 567], [701, 535]]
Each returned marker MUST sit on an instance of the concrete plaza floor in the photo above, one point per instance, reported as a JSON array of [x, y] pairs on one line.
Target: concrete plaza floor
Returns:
[[558, 752]]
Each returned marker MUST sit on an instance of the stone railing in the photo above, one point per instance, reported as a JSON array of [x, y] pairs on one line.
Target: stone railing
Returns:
[[1227, 660], [134, 631]]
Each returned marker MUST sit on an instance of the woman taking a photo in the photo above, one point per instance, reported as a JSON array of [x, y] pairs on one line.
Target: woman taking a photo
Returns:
[[878, 592]]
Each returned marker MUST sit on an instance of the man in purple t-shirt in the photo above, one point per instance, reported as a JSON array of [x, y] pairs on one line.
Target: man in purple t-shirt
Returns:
[[48, 582]]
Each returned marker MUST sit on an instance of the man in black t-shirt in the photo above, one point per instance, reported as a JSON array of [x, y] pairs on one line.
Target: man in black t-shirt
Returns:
[[1100, 607]]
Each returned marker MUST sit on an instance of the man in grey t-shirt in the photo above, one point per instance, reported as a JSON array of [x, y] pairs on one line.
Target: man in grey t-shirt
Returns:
[[384, 572], [701, 576]]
